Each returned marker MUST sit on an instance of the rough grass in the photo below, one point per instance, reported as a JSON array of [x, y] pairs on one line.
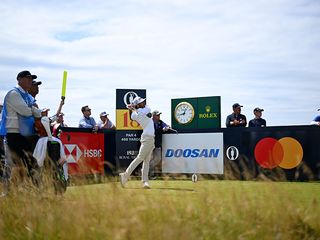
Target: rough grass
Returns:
[[170, 210]]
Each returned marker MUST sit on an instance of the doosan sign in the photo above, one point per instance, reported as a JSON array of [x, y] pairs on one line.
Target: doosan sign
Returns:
[[193, 153]]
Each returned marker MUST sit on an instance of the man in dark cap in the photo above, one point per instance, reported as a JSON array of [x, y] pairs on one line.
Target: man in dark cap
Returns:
[[257, 121], [17, 125], [159, 128], [34, 90], [236, 119]]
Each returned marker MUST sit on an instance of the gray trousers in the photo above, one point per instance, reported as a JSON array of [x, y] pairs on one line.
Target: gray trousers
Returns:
[[144, 155], [155, 160]]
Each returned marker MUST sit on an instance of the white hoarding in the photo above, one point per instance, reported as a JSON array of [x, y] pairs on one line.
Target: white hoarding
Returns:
[[192, 153]]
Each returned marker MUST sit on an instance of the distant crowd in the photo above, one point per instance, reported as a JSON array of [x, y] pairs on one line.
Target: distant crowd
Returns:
[[23, 125], [29, 136]]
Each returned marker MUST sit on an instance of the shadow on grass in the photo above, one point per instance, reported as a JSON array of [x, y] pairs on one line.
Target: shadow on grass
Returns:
[[163, 188]]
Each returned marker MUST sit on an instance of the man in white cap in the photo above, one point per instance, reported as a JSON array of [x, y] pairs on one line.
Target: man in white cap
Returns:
[[141, 113], [105, 122]]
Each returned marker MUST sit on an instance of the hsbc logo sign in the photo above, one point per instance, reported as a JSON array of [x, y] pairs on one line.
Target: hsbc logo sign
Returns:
[[74, 153]]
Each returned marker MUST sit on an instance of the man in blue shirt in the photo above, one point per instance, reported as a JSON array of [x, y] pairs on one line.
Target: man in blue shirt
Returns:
[[86, 121], [257, 121]]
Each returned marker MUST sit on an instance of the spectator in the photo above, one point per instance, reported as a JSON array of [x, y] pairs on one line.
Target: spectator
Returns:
[[1, 143], [53, 119], [57, 120], [56, 125], [105, 122], [4, 175], [34, 90], [159, 127], [17, 124], [86, 121], [257, 121], [236, 119], [316, 120], [1, 107], [141, 113]]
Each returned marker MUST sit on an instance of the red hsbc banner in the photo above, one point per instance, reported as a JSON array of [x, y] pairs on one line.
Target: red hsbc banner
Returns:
[[84, 152]]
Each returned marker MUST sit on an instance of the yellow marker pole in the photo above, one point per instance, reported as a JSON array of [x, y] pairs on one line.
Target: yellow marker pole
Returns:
[[64, 84]]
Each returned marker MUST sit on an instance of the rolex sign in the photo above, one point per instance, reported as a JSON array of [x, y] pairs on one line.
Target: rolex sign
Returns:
[[196, 113]]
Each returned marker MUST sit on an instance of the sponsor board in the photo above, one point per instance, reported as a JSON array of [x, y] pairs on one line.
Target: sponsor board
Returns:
[[127, 147], [124, 121], [196, 113], [232, 153], [84, 152], [193, 153], [128, 131], [286, 153]]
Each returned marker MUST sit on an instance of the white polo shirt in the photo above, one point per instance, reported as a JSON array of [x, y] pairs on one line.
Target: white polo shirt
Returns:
[[140, 115]]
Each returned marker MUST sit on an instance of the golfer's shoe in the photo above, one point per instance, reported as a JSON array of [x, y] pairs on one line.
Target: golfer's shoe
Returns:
[[123, 179], [146, 185], [152, 177]]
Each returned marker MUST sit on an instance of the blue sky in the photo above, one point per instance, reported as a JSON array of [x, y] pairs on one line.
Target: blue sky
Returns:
[[259, 53]]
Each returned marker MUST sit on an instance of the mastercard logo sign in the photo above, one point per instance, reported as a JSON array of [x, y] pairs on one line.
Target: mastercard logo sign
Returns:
[[286, 153]]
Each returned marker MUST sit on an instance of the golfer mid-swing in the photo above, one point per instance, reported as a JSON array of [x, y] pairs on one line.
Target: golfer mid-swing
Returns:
[[141, 113]]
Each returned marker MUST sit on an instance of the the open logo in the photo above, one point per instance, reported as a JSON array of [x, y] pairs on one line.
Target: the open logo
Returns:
[[128, 97]]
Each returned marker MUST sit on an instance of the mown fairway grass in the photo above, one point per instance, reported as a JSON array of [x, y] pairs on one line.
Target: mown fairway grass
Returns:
[[173, 209]]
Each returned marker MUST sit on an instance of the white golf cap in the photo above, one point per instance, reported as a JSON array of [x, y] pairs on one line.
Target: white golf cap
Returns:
[[103, 114], [156, 112], [138, 100]]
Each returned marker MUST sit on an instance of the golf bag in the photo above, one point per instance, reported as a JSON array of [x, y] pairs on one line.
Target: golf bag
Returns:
[[55, 169], [49, 155]]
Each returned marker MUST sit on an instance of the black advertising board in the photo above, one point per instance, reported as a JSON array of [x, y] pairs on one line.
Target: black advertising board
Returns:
[[128, 143], [125, 96], [284, 153], [128, 131]]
